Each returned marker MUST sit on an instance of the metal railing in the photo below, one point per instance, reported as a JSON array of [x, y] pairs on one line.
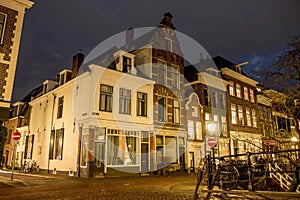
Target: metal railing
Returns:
[[276, 173]]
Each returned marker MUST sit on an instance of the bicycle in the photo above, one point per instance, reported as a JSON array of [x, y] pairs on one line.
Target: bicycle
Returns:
[[224, 175]]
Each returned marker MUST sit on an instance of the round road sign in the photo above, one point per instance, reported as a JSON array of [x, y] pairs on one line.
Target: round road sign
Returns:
[[212, 141], [16, 136]]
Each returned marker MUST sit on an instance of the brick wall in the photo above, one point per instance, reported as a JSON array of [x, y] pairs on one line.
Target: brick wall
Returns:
[[7, 43]]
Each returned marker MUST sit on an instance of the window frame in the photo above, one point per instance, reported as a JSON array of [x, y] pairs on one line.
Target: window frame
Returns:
[[2, 29], [233, 112], [161, 72], [126, 66], [238, 90], [175, 73], [142, 104], [161, 117], [231, 88], [108, 97], [176, 111], [60, 107], [241, 119], [246, 93], [124, 101]]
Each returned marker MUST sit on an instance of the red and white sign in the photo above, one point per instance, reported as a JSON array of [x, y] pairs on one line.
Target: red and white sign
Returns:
[[16, 136], [212, 141]]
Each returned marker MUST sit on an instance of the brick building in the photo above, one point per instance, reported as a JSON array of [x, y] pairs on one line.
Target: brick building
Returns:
[[11, 21]]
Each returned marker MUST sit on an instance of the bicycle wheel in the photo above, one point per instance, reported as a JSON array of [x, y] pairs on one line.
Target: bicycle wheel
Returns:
[[228, 177]]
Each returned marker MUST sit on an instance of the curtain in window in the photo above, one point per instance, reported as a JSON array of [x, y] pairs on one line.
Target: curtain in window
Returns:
[[131, 147], [112, 150]]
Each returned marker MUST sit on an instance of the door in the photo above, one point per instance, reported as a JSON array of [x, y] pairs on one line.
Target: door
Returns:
[[192, 161], [145, 157], [182, 158], [99, 157]]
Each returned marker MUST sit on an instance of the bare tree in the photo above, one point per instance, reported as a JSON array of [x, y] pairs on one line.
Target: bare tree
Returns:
[[284, 76]]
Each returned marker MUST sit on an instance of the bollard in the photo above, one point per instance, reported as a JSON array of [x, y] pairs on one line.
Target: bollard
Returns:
[[250, 185], [210, 172]]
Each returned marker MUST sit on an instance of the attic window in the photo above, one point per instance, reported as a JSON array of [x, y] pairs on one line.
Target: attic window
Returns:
[[45, 87], [126, 64], [61, 79], [212, 72]]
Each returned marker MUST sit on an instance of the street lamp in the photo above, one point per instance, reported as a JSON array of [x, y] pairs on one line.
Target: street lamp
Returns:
[[212, 129]]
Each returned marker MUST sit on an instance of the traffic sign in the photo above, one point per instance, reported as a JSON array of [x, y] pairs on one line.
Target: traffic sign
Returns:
[[212, 141], [16, 136]]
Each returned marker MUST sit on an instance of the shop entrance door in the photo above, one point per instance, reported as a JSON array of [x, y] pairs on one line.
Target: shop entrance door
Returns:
[[99, 157]]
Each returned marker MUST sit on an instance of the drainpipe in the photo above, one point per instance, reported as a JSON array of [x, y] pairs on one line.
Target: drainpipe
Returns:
[[52, 114], [79, 151]]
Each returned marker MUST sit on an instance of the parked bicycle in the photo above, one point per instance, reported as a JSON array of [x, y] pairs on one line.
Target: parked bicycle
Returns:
[[30, 166], [223, 174]]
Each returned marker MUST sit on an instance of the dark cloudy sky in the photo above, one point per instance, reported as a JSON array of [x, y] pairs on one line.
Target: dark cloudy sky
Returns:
[[254, 30]]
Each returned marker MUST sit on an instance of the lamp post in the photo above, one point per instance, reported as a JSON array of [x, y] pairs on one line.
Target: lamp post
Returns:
[[212, 127]]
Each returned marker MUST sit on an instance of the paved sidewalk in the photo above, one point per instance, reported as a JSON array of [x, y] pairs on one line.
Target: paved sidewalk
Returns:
[[43, 186]]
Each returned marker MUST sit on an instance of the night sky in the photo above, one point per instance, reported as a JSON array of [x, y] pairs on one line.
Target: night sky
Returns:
[[256, 31]]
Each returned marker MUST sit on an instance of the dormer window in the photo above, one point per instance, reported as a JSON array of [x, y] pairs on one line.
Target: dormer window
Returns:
[[127, 64], [168, 43], [45, 88], [213, 72], [61, 79]]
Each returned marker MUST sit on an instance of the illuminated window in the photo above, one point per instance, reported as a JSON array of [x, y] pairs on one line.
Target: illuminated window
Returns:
[[246, 94], [254, 118], [231, 88], [233, 114], [241, 115], [251, 95], [238, 91], [248, 117]]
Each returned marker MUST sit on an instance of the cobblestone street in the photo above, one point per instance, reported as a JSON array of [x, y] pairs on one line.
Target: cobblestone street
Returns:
[[134, 187]]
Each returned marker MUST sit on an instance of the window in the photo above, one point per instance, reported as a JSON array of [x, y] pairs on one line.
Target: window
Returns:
[[241, 115], [251, 95], [176, 112], [29, 147], [121, 147], [161, 109], [141, 104], [170, 150], [248, 117], [206, 97], [214, 99], [84, 151], [199, 131], [56, 144], [161, 76], [168, 43], [191, 129], [233, 114], [125, 101], [175, 77], [238, 90], [60, 107], [106, 92], [62, 79], [223, 128], [231, 88], [222, 101], [126, 64], [246, 94], [59, 139], [2, 23], [254, 118]]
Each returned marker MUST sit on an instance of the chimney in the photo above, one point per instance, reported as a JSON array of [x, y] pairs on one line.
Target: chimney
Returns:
[[129, 39], [77, 61], [166, 22]]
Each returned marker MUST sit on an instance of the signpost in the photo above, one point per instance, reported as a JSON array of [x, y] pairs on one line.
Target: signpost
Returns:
[[16, 137]]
